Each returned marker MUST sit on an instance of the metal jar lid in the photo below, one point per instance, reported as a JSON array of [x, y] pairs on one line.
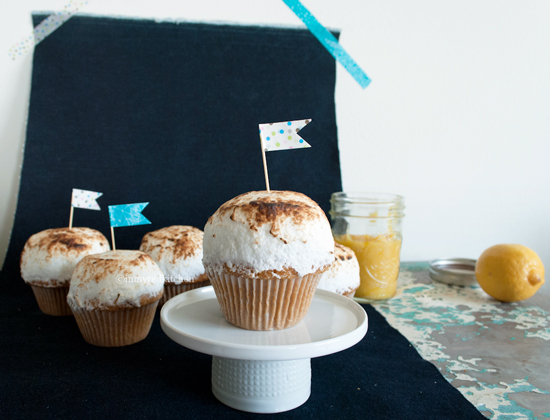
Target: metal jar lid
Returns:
[[455, 271]]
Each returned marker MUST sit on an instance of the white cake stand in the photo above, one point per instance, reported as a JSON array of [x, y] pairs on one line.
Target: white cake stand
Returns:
[[262, 371]]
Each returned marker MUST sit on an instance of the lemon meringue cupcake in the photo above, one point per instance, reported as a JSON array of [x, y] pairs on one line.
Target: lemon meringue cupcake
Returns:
[[178, 252], [49, 259], [342, 277], [114, 296], [264, 253]]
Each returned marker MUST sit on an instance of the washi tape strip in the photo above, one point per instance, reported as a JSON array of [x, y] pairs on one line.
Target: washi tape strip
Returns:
[[45, 28], [329, 42]]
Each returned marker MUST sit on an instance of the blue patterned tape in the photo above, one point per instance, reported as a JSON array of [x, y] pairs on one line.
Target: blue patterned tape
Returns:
[[329, 42]]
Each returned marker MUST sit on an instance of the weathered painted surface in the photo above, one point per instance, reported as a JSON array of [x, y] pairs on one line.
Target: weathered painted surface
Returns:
[[497, 354]]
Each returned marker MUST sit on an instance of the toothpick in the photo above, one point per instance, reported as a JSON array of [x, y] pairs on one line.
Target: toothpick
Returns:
[[265, 166], [71, 217], [113, 238]]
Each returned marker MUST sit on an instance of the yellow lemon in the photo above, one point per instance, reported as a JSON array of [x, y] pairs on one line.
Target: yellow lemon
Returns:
[[510, 272]]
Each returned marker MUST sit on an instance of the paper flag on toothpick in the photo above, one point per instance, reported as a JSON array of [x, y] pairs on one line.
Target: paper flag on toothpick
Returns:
[[283, 135], [85, 199], [128, 215]]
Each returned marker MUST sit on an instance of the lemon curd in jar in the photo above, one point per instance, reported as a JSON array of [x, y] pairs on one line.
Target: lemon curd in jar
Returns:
[[378, 258], [371, 225]]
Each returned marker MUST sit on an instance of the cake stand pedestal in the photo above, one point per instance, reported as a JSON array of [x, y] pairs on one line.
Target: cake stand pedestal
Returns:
[[263, 371]]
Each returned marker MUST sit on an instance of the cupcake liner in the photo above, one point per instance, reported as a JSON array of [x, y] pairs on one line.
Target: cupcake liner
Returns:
[[171, 289], [114, 328], [350, 294], [52, 300], [263, 304]]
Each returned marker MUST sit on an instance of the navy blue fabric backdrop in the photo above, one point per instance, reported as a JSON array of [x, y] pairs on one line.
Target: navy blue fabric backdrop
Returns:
[[168, 113]]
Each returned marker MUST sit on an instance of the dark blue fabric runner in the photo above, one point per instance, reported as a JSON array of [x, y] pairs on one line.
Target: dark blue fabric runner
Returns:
[[168, 113], [49, 371]]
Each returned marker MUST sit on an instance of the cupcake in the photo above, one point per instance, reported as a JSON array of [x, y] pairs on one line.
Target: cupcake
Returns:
[[178, 252], [343, 275], [264, 253], [49, 259], [114, 296]]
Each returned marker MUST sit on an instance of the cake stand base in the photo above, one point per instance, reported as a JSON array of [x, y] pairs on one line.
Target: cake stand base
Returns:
[[259, 386]]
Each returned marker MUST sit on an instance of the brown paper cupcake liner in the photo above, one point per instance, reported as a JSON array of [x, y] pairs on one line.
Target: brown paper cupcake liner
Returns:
[[263, 305], [114, 328], [52, 300], [171, 289], [350, 294]]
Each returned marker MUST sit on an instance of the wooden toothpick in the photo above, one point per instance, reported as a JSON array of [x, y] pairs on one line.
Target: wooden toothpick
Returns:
[[265, 166], [113, 238], [71, 217]]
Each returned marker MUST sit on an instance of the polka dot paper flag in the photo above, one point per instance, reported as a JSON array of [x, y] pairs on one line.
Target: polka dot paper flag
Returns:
[[283, 135], [84, 199]]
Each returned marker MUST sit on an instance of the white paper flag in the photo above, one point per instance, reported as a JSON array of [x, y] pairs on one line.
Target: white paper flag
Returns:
[[283, 135], [85, 199]]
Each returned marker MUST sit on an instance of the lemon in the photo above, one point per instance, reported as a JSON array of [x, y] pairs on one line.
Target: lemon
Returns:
[[510, 272]]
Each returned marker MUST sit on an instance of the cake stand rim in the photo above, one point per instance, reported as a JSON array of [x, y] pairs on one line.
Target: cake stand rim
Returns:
[[265, 352]]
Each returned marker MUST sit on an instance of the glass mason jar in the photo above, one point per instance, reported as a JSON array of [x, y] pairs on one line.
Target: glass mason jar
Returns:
[[371, 225]]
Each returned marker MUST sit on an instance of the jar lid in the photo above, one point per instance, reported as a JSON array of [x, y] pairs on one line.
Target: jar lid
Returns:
[[455, 271]]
